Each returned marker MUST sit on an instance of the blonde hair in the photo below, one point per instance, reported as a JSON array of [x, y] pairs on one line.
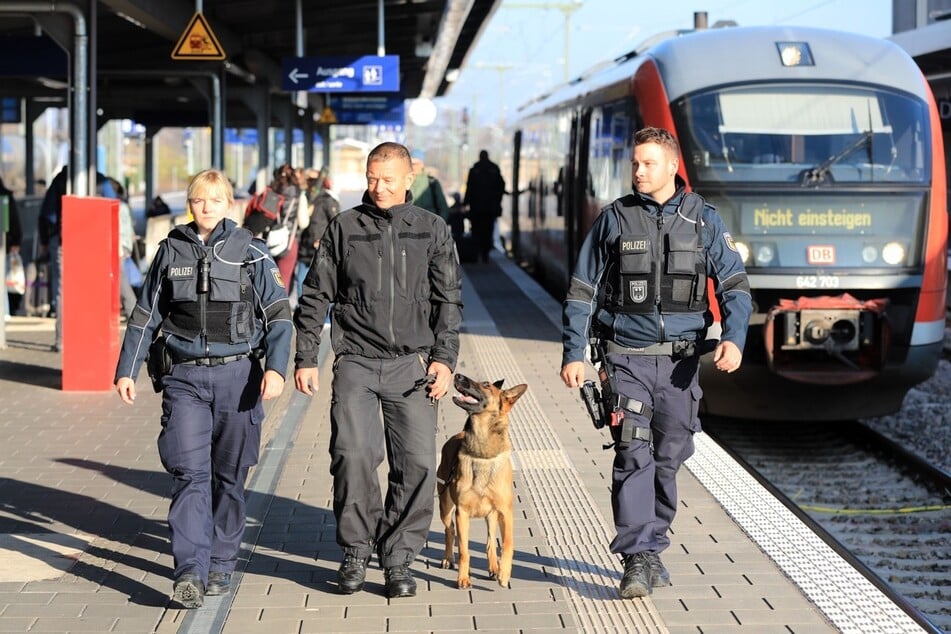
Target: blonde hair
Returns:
[[209, 181]]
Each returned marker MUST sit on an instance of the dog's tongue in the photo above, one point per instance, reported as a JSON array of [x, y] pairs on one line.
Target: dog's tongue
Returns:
[[466, 398]]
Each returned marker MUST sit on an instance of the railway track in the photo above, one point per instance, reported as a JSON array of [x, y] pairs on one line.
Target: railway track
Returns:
[[882, 508]]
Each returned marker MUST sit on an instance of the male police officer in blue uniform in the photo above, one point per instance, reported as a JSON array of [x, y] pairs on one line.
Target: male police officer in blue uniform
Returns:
[[221, 303], [640, 287]]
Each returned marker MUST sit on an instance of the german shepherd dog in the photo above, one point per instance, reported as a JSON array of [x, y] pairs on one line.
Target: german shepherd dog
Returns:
[[475, 476]]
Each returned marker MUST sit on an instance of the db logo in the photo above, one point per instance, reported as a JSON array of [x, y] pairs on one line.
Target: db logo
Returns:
[[820, 254]]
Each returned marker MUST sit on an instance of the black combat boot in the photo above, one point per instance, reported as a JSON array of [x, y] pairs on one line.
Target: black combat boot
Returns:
[[399, 582], [659, 575], [218, 583], [351, 574], [636, 581], [189, 591]]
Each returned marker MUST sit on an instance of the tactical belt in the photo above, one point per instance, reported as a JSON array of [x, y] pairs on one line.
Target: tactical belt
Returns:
[[213, 361], [678, 349]]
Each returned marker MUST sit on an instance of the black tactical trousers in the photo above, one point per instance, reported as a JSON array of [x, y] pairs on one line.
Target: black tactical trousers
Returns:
[[364, 388]]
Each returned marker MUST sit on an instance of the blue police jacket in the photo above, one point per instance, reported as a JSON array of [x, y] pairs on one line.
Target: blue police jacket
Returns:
[[582, 310], [271, 327]]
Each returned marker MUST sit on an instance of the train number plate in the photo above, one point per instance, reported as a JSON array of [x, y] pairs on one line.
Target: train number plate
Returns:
[[820, 254], [817, 281]]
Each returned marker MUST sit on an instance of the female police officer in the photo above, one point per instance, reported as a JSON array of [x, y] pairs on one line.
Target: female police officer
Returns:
[[220, 301]]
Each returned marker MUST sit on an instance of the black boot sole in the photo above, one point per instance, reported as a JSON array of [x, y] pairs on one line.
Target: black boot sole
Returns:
[[188, 595]]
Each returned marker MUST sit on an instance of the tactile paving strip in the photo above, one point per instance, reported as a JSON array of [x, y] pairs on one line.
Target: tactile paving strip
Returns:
[[847, 598], [568, 515]]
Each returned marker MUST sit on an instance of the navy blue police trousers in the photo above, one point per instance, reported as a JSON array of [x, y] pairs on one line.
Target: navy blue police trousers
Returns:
[[211, 433], [644, 475], [363, 388]]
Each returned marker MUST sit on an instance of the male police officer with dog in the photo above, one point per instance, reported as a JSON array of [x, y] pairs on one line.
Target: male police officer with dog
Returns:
[[390, 269], [219, 299], [640, 287]]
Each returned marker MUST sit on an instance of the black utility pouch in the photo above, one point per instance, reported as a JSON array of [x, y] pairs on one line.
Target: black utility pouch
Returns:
[[158, 363]]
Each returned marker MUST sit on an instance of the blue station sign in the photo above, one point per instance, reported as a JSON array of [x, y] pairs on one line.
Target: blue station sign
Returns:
[[367, 73], [368, 109]]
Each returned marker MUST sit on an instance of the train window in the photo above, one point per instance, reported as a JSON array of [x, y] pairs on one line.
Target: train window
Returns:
[[787, 132], [609, 172]]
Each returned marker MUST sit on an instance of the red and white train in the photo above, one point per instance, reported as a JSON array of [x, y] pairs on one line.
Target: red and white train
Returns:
[[822, 151]]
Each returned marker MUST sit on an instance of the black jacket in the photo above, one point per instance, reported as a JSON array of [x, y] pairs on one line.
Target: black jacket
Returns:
[[484, 189], [393, 277], [325, 208]]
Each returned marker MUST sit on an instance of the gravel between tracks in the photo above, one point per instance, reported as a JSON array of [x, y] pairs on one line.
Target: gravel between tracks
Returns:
[[923, 425]]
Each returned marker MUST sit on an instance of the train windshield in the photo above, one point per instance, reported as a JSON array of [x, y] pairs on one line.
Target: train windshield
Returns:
[[808, 134]]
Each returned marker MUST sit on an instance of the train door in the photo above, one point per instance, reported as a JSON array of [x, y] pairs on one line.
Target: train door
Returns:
[[516, 189], [581, 179]]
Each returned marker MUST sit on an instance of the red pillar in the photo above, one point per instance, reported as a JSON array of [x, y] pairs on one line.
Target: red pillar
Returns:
[[90, 293]]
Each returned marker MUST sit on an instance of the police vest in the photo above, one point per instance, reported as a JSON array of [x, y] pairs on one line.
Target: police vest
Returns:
[[658, 263], [211, 290]]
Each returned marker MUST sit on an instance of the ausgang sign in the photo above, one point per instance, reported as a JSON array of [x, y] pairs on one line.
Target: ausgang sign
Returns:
[[369, 73]]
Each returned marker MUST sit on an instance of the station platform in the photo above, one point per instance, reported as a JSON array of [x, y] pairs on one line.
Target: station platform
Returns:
[[83, 500]]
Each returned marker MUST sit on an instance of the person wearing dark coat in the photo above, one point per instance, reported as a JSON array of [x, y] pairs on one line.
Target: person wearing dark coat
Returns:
[[326, 205], [484, 190], [13, 238], [389, 268]]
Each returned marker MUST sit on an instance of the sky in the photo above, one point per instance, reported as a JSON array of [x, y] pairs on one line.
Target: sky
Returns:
[[522, 50]]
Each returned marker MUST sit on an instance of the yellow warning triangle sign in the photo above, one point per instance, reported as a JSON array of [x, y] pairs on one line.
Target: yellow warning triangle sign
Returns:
[[198, 42]]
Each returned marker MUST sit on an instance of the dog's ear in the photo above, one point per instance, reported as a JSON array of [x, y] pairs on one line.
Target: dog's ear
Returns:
[[499, 383], [512, 395]]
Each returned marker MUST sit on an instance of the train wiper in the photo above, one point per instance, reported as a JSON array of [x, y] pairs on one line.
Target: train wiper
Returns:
[[819, 173]]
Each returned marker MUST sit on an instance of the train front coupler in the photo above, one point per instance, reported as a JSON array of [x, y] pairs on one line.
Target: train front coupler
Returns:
[[801, 336]]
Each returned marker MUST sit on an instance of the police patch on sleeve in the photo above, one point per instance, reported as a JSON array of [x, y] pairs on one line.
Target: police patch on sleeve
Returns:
[[729, 241], [276, 272]]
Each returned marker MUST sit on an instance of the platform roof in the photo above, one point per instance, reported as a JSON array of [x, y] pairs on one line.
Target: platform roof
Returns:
[[137, 78]]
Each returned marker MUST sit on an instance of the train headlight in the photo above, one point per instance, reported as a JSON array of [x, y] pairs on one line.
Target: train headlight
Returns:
[[893, 253], [794, 54], [869, 254], [744, 250], [764, 253]]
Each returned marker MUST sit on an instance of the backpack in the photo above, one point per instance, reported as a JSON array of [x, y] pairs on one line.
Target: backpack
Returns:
[[269, 203], [265, 216]]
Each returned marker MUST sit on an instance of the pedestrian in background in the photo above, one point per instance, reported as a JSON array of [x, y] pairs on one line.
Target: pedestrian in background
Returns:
[[427, 190], [649, 315], [13, 238], [49, 228], [324, 206], [281, 221], [216, 295], [127, 265], [390, 270], [484, 190]]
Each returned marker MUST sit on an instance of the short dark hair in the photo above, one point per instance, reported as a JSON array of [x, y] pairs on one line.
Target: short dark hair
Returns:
[[659, 136], [388, 150]]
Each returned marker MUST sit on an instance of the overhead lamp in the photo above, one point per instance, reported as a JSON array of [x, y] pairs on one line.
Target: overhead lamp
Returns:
[[422, 112]]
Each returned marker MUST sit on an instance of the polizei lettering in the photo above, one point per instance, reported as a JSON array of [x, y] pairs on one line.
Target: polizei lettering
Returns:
[[181, 271], [633, 245]]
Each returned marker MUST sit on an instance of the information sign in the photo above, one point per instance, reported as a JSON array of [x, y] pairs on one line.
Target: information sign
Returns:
[[368, 73]]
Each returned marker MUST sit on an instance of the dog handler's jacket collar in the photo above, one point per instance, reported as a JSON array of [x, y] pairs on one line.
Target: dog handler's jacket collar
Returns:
[[393, 278], [272, 328], [724, 266]]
